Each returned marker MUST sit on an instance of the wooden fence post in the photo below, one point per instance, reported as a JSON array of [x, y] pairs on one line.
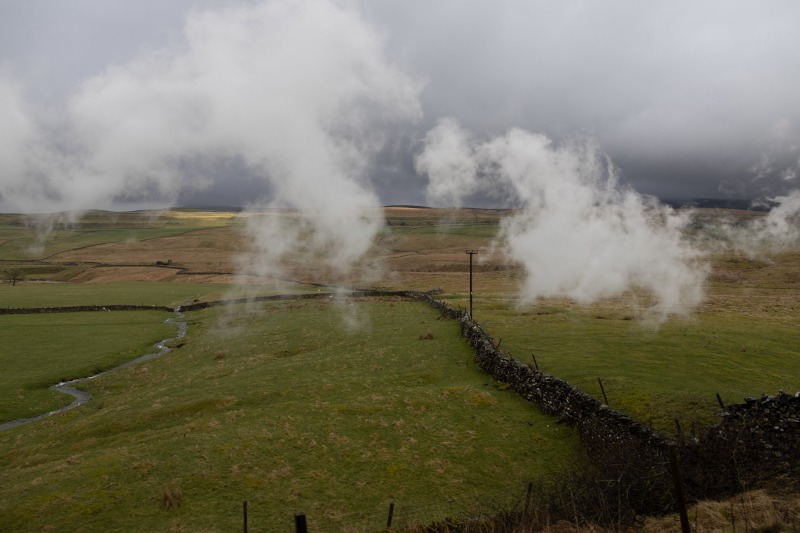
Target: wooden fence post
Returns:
[[679, 430], [719, 401], [528, 497], [300, 523], [680, 497], [391, 512], [603, 390]]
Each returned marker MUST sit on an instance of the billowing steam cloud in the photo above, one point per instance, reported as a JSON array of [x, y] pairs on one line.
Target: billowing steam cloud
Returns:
[[299, 92], [781, 162], [578, 234], [17, 138], [777, 231], [775, 180]]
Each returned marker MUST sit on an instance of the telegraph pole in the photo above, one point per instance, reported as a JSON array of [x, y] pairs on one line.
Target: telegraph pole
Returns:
[[470, 253]]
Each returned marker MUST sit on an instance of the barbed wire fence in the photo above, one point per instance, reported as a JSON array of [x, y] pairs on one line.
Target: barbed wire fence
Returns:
[[399, 514]]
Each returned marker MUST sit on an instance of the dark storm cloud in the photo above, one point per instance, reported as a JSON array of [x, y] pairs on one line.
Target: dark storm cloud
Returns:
[[688, 98], [685, 96]]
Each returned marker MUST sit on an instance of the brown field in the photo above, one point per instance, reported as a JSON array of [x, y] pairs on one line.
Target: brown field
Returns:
[[208, 250], [421, 248], [434, 259]]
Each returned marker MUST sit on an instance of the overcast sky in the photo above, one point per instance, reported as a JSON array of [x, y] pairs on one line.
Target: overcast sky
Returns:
[[688, 98]]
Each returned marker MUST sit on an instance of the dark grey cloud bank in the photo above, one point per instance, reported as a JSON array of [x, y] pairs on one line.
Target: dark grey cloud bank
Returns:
[[689, 99]]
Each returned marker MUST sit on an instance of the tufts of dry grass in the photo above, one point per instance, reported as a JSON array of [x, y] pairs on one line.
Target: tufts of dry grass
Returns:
[[758, 511], [171, 495], [753, 511]]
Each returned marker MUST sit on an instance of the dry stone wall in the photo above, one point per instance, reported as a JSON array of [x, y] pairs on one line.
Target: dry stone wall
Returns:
[[753, 442]]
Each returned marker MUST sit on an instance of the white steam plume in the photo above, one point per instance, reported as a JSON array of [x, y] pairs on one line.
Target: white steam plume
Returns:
[[298, 91], [780, 228], [19, 136], [18, 129], [777, 231], [448, 162], [579, 233]]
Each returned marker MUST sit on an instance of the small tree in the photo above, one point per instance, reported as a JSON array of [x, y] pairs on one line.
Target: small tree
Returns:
[[14, 275]]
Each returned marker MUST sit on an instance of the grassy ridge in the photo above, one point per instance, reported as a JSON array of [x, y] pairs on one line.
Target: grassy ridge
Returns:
[[42, 349], [289, 416]]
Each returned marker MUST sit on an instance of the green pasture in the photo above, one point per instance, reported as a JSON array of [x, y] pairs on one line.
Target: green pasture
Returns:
[[40, 350], [333, 409], [171, 294], [655, 374], [121, 293]]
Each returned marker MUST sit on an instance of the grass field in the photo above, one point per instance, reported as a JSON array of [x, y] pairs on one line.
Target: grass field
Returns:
[[279, 407], [655, 374], [40, 350], [741, 342], [287, 409], [122, 293]]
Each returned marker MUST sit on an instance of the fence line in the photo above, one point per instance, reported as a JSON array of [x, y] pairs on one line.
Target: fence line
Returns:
[[471, 508], [752, 441]]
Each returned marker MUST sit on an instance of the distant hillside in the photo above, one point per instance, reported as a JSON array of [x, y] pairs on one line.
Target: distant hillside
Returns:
[[743, 204], [720, 203]]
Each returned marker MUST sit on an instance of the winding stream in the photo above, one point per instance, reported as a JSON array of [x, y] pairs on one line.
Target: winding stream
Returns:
[[81, 397]]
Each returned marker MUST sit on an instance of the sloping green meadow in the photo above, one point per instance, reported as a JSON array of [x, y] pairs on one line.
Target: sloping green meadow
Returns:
[[330, 408]]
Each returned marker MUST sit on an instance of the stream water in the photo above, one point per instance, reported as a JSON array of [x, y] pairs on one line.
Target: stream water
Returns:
[[81, 397]]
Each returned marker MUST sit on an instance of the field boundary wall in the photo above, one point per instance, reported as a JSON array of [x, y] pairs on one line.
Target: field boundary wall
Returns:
[[753, 442]]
